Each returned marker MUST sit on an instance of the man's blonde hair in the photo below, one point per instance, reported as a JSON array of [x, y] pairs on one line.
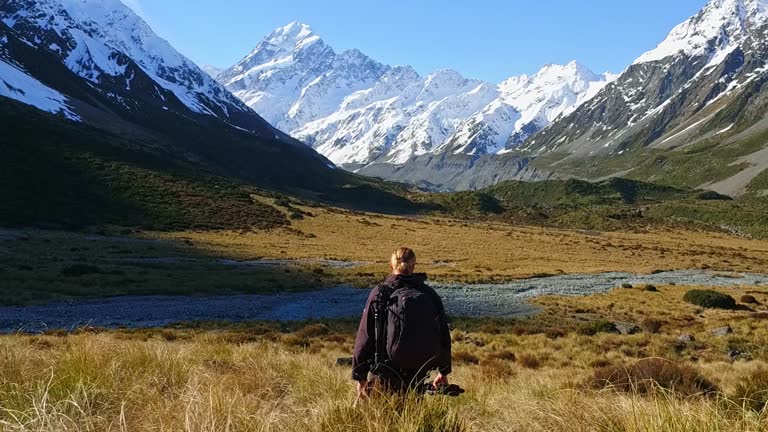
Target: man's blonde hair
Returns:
[[403, 260]]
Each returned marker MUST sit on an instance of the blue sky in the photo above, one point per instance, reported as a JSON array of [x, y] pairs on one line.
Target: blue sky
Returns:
[[489, 40]]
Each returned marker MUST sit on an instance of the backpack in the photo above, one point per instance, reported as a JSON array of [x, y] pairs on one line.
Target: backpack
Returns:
[[413, 330]]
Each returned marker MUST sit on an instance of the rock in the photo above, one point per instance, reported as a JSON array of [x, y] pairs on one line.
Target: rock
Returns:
[[344, 361], [627, 328], [722, 331], [686, 338]]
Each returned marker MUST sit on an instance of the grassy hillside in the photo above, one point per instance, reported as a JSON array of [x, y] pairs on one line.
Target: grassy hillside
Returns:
[[59, 173], [41, 265], [614, 204]]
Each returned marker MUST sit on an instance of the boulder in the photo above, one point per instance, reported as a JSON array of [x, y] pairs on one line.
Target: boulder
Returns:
[[344, 361], [686, 338], [627, 328], [722, 331]]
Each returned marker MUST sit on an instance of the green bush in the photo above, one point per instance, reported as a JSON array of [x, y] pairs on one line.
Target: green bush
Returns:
[[650, 288], [627, 285], [710, 299]]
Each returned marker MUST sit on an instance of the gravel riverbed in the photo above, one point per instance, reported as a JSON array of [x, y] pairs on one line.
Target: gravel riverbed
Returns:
[[479, 300]]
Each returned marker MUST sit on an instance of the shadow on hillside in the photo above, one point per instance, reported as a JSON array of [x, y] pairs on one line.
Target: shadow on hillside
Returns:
[[42, 266]]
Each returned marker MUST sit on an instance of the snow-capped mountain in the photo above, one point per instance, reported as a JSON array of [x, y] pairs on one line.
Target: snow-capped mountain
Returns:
[[107, 87], [292, 76], [525, 106], [16, 83], [213, 71], [702, 85], [403, 115], [356, 111], [107, 44]]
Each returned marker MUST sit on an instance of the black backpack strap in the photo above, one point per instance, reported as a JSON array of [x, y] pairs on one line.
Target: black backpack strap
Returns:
[[380, 314]]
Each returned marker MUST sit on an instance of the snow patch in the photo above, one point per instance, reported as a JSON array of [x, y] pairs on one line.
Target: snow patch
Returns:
[[724, 130], [682, 132], [16, 84]]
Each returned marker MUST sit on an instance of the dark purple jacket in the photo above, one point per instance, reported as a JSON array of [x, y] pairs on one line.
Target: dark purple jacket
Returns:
[[363, 356]]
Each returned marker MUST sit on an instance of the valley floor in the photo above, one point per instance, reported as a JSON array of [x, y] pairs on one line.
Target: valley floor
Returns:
[[558, 371], [327, 247], [565, 368]]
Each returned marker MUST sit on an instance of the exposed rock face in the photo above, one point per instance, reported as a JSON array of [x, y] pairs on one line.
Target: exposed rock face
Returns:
[[457, 171], [702, 87]]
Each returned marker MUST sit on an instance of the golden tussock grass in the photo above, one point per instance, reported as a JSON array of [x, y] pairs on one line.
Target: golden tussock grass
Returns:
[[465, 251], [99, 383], [257, 377]]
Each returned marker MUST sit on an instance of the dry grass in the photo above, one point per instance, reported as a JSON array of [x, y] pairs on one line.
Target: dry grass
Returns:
[[520, 375], [465, 251], [282, 377], [41, 265]]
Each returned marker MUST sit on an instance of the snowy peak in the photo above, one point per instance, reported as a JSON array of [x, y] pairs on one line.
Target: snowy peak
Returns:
[[355, 110], [573, 72], [292, 77], [282, 45], [525, 105], [442, 83], [107, 44], [211, 70], [719, 26], [292, 36]]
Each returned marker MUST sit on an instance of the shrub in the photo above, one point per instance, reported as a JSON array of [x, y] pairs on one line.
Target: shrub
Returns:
[[56, 332], [465, 357], [651, 325], [600, 363], [748, 299], [496, 369], [752, 391], [76, 270], [529, 361], [648, 375], [710, 299], [712, 195], [490, 329], [595, 327], [283, 202], [293, 340], [313, 330], [627, 285], [505, 355], [296, 216], [650, 288], [554, 333]]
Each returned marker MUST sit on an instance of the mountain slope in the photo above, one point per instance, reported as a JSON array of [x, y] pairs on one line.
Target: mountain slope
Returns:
[[104, 42], [525, 106], [356, 111], [136, 134], [689, 112]]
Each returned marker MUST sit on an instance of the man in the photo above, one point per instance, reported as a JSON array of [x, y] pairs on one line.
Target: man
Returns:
[[415, 338]]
